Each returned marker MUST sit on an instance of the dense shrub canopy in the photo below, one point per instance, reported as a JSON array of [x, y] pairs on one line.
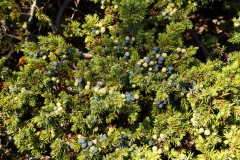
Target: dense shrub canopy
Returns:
[[120, 79]]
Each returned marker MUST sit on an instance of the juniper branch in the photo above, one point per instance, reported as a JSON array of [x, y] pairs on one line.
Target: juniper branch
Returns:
[[60, 13]]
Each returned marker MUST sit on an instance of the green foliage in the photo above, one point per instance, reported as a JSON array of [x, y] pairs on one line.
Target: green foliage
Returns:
[[139, 92]]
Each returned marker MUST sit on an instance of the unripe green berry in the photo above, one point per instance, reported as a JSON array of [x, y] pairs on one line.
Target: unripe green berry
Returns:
[[145, 64], [94, 141], [59, 109], [183, 50], [154, 136], [172, 5], [151, 63], [116, 41], [166, 148], [87, 87], [59, 104], [96, 129], [54, 78], [164, 69], [110, 91], [201, 130], [157, 56], [159, 151], [162, 136], [207, 132], [23, 90], [164, 54], [179, 49], [100, 24], [44, 57], [123, 96], [154, 148], [136, 96], [103, 30], [97, 32]]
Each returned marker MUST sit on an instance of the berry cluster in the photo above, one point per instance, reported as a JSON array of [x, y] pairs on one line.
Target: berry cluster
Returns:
[[169, 11], [161, 104], [91, 121], [103, 137], [101, 29], [125, 142], [156, 142], [130, 97], [88, 144], [151, 64]]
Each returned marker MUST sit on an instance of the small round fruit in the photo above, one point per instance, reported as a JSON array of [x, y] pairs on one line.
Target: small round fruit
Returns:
[[44, 57], [151, 142], [94, 141], [151, 63], [90, 143], [164, 13], [164, 69], [95, 149], [87, 87], [123, 96], [207, 132], [60, 108], [55, 64], [159, 151], [79, 80], [116, 41], [162, 135], [183, 50], [164, 54], [166, 148], [97, 32], [84, 145], [145, 65], [136, 96], [103, 30], [54, 78], [154, 148], [179, 49], [154, 136], [201, 130], [100, 24], [59, 104]]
